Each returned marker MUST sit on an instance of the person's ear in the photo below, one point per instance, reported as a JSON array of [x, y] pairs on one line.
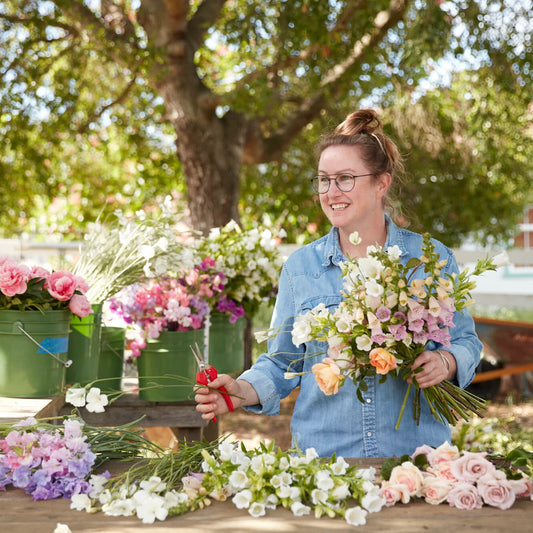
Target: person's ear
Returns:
[[383, 184]]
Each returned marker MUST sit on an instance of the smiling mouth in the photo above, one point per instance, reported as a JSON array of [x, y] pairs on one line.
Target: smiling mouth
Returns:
[[338, 207]]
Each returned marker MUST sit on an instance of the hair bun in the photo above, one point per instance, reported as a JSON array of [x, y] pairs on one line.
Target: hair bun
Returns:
[[359, 122]]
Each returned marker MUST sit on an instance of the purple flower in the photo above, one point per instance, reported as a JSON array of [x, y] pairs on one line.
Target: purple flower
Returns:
[[383, 314]]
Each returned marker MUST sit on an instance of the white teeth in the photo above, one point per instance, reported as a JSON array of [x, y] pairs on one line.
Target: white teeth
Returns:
[[338, 206]]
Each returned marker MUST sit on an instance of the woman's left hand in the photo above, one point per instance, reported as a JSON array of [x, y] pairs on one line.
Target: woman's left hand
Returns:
[[434, 369]]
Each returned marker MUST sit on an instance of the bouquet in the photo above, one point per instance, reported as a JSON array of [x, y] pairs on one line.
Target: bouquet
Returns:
[[120, 253], [179, 302], [385, 321], [36, 289], [249, 259]]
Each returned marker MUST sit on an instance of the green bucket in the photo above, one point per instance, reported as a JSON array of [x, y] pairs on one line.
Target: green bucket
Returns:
[[226, 344], [84, 347], [33, 353], [167, 368], [111, 360]]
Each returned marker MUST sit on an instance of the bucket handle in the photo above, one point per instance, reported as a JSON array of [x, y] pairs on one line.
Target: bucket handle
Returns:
[[66, 363]]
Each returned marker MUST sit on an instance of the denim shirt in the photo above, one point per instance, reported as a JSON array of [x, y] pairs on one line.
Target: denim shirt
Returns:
[[340, 423]]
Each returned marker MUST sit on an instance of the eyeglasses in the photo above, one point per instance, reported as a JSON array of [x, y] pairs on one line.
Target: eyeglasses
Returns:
[[344, 182]]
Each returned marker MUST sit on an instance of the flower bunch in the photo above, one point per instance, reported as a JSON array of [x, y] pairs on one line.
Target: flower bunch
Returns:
[[120, 252], [35, 288], [257, 480], [46, 463], [466, 480], [389, 313], [249, 259]]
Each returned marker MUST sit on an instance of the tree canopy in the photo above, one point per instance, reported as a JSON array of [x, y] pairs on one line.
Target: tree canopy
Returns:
[[115, 103]]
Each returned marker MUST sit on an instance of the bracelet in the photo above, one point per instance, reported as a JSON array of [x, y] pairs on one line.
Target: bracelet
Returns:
[[445, 361]]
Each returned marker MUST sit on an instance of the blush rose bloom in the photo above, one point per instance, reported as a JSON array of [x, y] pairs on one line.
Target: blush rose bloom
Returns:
[[13, 278], [409, 475], [80, 305], [522, 487], [464, 496], [471, 466], [435, 489], [393, 493], [496, 491], [382, 360], [328, 376], [61, 285], [445, 452]]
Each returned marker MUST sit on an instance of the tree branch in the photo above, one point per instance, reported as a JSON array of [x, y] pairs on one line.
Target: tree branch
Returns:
[[206, 15]]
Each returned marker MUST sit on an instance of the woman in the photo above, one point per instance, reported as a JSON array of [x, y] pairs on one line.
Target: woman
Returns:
[[357, 164]]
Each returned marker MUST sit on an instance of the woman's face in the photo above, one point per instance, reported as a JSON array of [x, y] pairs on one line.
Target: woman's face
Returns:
[[352, 210]]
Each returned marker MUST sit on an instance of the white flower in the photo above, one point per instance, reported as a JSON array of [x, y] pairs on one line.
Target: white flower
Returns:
[[301, 330], [394, 252], [355, 516], [119, 507], [500, 259], [373, 288], [299, 509], [339, 466], [162, 244], [372, 501], [323, 480], [257, 509], [146, 251], [97, 483], [75, 396], [96, 401], [242, 499], [80, 502], [355, 239], [364, 342], [318, 496], [153, 484], [370, 267], [226, 450], [341, 492], [239, 480], [368, 474], [149, 507], [62, 528]]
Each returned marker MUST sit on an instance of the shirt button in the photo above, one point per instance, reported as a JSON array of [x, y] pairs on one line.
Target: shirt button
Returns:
[[368, 400], [369, 434]]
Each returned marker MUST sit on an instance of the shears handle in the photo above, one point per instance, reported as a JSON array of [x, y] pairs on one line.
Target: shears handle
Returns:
[[208, 375]]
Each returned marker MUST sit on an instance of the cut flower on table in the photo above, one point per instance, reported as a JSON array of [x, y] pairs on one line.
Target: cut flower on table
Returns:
[[389, 313]]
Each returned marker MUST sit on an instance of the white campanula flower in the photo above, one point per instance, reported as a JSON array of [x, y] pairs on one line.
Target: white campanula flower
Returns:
[[394, 252], [372, 501], [62, 528], [242, 499], [355, 516], [373, 289], [323, 480], [339, 467], [364, 342], [257, 509], [119, 507], [299, 509], [341, 492], [368, 474], [501, 259], [226, 450], [319, 496], [239, 480], [272, 501]]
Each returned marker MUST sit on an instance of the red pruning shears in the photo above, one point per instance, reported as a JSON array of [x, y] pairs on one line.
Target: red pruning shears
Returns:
[[206, 374]]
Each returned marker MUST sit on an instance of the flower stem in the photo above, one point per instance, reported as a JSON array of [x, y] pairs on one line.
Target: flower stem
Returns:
[[403, 407]]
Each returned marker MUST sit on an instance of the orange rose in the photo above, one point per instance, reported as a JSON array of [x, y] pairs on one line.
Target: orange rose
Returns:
[[328, 376], [382, 360]]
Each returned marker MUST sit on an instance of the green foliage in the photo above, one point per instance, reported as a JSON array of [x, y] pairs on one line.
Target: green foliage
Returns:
[[84, 128]]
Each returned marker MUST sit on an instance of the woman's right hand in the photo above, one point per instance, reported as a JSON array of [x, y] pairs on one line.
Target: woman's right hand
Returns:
[[211, 402]]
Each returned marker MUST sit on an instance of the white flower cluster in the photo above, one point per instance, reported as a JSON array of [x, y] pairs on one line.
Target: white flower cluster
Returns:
[[249, 258], [93, 400], [256, 480]]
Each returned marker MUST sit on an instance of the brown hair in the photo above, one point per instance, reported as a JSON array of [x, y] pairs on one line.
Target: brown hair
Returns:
[[363, 128]]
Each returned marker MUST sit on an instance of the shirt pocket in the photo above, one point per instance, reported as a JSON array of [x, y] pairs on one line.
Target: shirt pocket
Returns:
[[331, 302]]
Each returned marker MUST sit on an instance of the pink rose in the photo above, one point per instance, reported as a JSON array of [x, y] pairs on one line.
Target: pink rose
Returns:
[[393, 493], [522, 487], [435, 489], [425, 449], [81, 284], [13, 278], [409, 475], [496, 490], [38, 272], [443, 470], [79, 305], [61, 285], [464, 496], [471, 466], [445, 452]]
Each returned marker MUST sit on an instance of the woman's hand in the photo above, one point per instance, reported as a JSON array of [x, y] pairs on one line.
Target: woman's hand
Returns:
[[434, 368], [211, 402]]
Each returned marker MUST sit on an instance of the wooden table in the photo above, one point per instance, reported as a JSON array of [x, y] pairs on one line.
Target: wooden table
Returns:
[[20, 514]]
